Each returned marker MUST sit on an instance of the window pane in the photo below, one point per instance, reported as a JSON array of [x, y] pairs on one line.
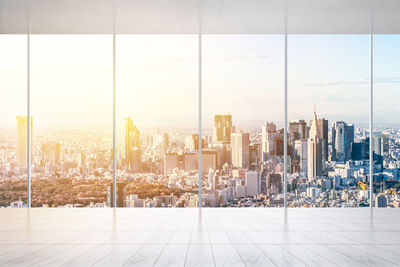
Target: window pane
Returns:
[[13, 123], [243, 102], [328, 108], [386, 142], [71, 96], [157, 87]]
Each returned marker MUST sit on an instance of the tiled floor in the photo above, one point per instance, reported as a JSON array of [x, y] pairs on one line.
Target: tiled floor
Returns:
[[193, 237]]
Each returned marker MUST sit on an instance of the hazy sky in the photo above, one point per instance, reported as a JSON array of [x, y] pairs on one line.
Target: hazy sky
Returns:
[[157, 82]]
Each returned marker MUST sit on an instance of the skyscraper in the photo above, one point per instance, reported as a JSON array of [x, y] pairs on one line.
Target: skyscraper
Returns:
[[268, 134], [297, 131], [301, 150], [130, 145], [315, 149], [321, 130], [342, 140], [222, 129], [22, 140], [240, 149], [380, 144]]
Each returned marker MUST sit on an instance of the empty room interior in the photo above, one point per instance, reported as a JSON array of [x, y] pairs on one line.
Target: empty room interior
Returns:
[[199, 133]]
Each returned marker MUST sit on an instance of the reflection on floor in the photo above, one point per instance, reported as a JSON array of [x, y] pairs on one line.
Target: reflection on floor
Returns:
[[193, 237]]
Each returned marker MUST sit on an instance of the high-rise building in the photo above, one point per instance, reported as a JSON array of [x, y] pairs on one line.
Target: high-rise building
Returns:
[[297, 131], [321, 131], [210, 159], [268, 134], [315, 149], [342, 140], [252, 181], [301, 151], [222, 129], [380, 144], [240, 149], [193, 142], [22, 140], [130, 145], [254, 154], [164, 144]]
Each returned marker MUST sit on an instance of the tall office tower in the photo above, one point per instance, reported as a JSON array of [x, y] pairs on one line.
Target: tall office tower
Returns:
[[342, 140], [51, 153], [240, 149], [222, 129], [279, 144], [130, 145], [22, 140], [297, 131], [301, 150], [322, 132], [315, 150], [268, 133], [252, 181], [380, 144], [254, 154]]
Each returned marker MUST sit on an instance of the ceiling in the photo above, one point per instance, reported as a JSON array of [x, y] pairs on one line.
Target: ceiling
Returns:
[[194, 16]]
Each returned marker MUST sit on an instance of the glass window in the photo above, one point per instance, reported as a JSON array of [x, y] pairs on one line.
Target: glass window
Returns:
[[13, 123], [157, 111], [243, 107], [328, 111], [386, 138], [72, 108]]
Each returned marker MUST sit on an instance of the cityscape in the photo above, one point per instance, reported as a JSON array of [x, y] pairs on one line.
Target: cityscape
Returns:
[[328, 166]]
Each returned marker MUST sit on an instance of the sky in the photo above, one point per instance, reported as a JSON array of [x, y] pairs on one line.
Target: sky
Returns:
[[157, 79]]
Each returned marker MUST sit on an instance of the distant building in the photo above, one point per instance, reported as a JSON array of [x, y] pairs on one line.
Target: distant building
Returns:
[[342, 140], [319, 128], [301, 153], [253, 183], [22, 140], [380, 144], [297, 131], [210, 159], [315, 149], [133, 201], [170, 162], [222, 129], [254, 154], [268, 134], [360, 150], [130, 145], [240, 149]]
